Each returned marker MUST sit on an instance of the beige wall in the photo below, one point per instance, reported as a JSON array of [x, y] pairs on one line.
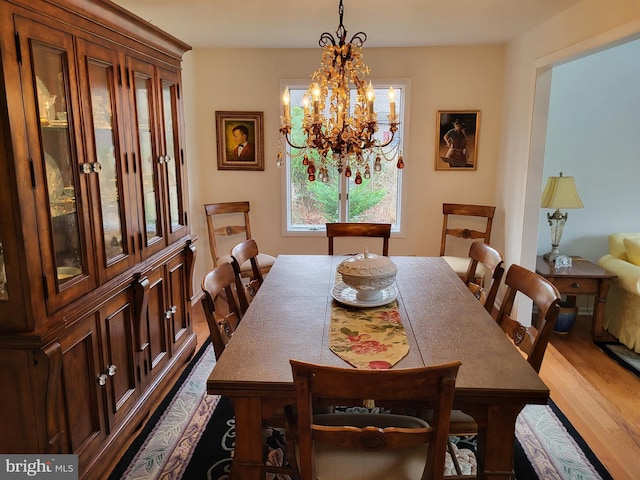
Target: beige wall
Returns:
[[249, 80], [592, 24]]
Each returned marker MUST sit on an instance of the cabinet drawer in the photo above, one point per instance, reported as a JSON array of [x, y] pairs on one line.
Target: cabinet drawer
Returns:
[[572, 286]]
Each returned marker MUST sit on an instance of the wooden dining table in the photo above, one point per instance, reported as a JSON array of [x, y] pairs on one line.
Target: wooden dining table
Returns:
[[290, 318]]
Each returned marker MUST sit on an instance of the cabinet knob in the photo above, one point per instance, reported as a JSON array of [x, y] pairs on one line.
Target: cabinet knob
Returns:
[[167, 314], [86, 168], [111, 370], [174, 309], [97, 166], [575, 285], [161, 159], [167, 158], [102, 379]]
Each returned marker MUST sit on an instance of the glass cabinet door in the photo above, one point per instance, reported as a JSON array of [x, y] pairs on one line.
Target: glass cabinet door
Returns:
[[172, 152], [149, 163], [63, 219], [110, 187], [59, 162]]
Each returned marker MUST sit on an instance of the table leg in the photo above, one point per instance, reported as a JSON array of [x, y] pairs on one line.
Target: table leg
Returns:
[[495, 442], [597, 331], [248, 462]]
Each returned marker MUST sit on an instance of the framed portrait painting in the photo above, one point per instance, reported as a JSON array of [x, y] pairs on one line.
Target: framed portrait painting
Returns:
[[457, 139], [240, 140]]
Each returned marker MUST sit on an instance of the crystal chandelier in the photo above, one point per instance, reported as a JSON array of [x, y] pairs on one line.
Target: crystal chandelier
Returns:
[[344, 138]]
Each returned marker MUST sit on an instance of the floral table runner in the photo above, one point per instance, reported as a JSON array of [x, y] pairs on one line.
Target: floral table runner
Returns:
[[372, 338]]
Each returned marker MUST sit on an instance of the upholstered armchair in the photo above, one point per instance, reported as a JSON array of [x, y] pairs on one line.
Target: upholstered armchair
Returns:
[[622, 312]]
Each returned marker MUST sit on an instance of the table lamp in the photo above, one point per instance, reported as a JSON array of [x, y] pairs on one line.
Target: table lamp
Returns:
[[560, 192]]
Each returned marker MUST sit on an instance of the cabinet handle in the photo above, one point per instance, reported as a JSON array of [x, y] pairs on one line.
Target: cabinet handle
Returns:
[[172, 309], [575, 285], [111, 370], [102, 379]]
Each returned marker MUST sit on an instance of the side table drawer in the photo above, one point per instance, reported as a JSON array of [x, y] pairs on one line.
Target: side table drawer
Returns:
[[572, 286]]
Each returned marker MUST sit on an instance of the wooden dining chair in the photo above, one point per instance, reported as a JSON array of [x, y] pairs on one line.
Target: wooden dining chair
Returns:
[[473, 230], [482, 254], [224, 304], [370, 446], [532, 340], [229, 224], [352, 229], [247, 252]]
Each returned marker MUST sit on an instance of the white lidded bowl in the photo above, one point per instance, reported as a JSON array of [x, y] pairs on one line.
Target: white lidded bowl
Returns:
[[368, 274]]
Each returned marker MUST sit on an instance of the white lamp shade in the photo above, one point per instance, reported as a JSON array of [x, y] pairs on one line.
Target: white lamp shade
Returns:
[[560, 192]]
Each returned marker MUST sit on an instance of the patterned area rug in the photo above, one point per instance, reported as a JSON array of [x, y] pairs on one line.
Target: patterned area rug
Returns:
[[165, 445], [192, 436], [623, 355]]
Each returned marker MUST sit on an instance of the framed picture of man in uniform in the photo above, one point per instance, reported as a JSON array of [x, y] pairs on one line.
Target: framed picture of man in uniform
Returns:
[[240, 140], [457, 139]]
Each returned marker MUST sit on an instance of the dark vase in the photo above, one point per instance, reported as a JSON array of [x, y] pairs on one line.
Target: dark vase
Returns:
[[566, 318]]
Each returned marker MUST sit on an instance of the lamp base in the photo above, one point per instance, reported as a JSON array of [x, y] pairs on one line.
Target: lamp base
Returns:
[[553, 254]]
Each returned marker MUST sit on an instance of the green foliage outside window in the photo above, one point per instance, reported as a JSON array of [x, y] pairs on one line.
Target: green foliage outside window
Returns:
[[314, 203]]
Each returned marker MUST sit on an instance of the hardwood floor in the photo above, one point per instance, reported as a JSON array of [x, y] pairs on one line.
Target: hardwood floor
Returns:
[[598, 396]]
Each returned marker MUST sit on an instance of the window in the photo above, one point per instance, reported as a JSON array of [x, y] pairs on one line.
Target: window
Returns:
[[377, 199]]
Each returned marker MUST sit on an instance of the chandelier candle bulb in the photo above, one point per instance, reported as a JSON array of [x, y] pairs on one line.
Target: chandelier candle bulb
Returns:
[[392, 102], [315, 91], [371, 96], [286, 99]]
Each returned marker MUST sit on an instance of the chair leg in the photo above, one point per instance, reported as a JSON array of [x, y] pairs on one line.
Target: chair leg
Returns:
[[454, 458]]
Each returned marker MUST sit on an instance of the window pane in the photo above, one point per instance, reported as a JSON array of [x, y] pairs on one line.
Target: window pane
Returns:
[[375, 199]]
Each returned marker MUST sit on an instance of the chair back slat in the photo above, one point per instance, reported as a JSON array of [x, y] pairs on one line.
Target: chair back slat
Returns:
[[353, 229]]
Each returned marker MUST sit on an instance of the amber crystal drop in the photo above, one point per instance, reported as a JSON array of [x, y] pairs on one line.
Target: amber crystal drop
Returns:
[[400, 163], [358, 178]]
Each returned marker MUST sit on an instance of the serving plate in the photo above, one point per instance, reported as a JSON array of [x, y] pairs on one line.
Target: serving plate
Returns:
[[343, 293]]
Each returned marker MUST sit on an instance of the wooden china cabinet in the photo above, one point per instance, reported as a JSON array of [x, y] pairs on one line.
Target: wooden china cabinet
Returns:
[[96, 254]]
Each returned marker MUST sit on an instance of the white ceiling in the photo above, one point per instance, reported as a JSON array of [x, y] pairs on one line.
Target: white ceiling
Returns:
[[387, 23]]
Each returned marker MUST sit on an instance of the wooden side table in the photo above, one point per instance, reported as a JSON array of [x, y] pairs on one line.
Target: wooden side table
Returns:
[[582, 278]]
